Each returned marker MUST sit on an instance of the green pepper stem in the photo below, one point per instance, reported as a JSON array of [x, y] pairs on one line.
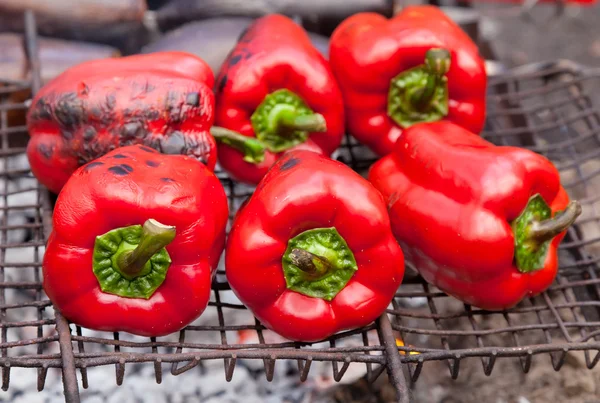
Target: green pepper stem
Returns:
[[155, 236], [311, 264], [542, 231], [437, 63], [253, 149], [290, 120]]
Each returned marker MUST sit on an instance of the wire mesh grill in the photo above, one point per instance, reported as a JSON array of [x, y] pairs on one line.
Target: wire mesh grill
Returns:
[[546, 108]]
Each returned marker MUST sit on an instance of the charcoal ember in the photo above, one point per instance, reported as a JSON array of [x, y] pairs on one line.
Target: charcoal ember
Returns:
[[212, 39]]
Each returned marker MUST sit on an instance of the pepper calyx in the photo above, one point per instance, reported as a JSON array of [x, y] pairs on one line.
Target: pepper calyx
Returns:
[[132, 261], [283, 120], [534, 230], [420, 94], [318, 263]]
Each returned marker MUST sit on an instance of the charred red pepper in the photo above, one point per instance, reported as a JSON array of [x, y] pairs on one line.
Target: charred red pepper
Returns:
[[276, 87], [311, 253], [163, 100], [417, 67], [134, 245], [479, 221]]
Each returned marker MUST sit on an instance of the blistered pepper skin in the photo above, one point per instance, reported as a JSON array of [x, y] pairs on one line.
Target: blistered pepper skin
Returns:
[[162, 100]]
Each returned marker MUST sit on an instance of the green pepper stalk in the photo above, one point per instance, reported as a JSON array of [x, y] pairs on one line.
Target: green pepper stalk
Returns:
[[253, 149], [283, 120], [421, 94]]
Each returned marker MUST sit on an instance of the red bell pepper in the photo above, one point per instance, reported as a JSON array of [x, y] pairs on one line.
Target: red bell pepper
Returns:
[[163, 100], [134, 246], [311, 253], [276, 87], [479, 221], [417, 67]]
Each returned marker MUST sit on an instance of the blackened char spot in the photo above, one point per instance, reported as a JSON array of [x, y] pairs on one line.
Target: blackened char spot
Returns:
[[151, 114], [83, 88], [147, 149], [173, 144], [290, 163], [111, 101], [69, 110], [42, 109], [45, 150], [152, 164], [126, 167], [96, 112], [222, 83], [89, 133], [132, 130], [173, 106], [193, 99], [119, 170], [167, 180], [92, 165], [119, 156], [234, 60]]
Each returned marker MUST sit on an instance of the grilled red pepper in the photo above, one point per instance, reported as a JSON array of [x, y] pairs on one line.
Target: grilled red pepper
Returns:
[[479, 221], [312, 253], [275, 86], [163, 100], [417, 67], [134, 245]]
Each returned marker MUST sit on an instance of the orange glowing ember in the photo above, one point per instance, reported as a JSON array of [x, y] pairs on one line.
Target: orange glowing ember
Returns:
[[400, 343]]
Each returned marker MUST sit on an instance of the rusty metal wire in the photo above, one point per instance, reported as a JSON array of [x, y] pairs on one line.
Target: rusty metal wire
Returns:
[[546, 108]]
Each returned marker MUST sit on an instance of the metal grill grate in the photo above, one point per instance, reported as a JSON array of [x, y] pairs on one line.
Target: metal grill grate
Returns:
[[543, 107]]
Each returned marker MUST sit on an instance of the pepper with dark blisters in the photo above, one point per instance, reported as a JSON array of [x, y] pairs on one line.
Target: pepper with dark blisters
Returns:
[[277, 89], [163, 100], [134, 246]]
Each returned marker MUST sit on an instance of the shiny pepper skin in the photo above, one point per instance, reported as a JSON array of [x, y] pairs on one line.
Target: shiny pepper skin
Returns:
[[275, 53], [123, 188], [163, 100], [453, 199], [302, 193], [367, 51]]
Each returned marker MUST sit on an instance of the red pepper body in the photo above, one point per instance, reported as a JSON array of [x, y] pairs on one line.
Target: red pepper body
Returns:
[[452, 197], [303, 191], [367, 51], [275, 53], [126, 187], [163, 100]]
